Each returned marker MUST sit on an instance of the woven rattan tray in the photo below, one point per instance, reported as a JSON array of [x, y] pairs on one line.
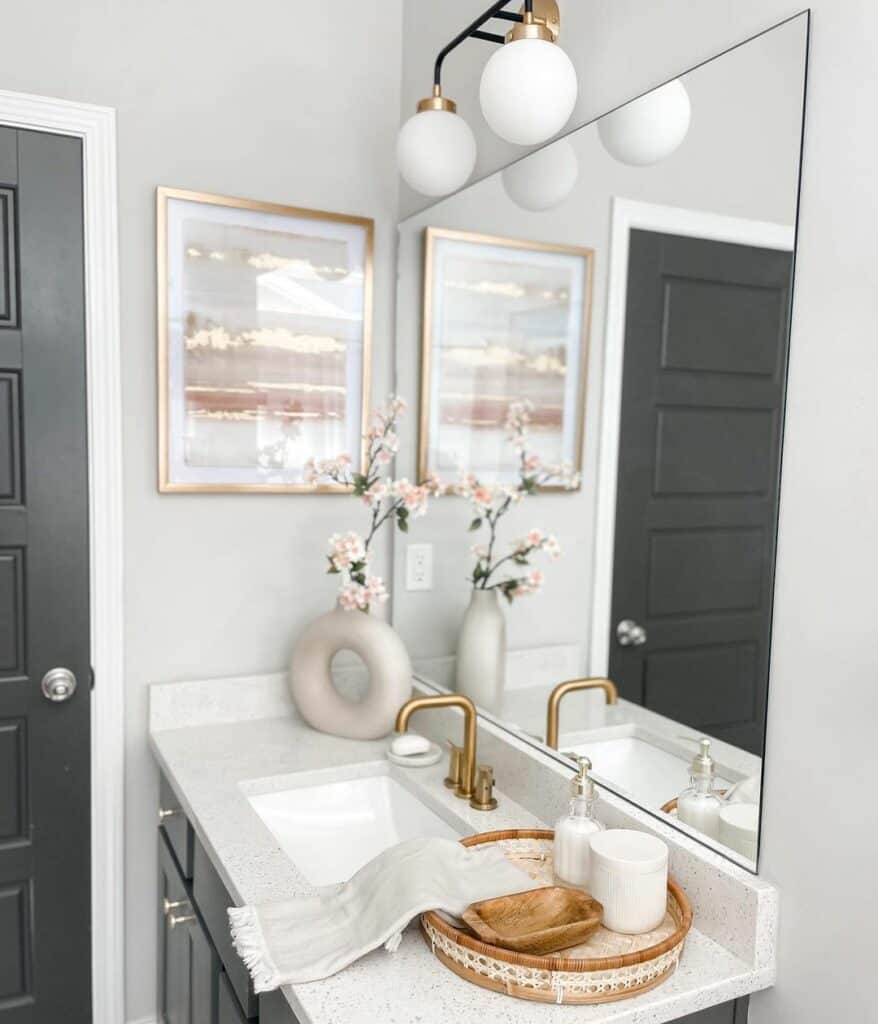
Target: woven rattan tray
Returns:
[[604, 968]]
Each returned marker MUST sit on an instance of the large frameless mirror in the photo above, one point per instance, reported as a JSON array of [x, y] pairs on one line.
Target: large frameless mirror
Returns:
[[599, 336]]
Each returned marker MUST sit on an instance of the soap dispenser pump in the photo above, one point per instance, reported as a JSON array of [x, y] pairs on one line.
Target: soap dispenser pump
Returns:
[[699, 805], [573, 830]]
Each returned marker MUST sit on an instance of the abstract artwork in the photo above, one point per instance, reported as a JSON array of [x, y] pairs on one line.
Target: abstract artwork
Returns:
[[264, 317]]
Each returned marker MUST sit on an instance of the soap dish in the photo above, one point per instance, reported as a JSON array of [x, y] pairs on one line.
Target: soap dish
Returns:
[[431, 756], [539, 921]]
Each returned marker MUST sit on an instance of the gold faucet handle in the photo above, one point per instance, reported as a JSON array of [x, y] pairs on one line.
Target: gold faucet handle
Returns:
[[483, 797], [455, 762]]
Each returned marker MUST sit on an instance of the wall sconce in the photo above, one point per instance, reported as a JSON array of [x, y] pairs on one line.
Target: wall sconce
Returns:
[[527, 94]]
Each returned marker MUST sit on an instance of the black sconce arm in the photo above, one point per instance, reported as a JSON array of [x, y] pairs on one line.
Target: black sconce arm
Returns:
[[474, 31]]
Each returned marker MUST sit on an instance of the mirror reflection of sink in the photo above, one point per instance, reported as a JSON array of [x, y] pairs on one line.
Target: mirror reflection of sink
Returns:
[[332, 823], [634, 760]]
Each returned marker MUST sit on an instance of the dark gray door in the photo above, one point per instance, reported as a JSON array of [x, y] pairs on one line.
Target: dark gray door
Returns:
[[702, 407], [45, 892]]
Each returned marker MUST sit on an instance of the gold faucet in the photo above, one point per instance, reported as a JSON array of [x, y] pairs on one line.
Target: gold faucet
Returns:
[[467, 786], [572, 685]]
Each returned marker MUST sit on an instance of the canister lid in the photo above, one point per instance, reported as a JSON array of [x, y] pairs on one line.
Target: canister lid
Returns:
[[627, 851]]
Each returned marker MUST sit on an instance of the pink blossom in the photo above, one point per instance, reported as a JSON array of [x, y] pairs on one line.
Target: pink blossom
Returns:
[[433, 485], [349, 597], [413, 498], [375, 589], [345, 549], [532, 463], [375, 494], [483, 497]]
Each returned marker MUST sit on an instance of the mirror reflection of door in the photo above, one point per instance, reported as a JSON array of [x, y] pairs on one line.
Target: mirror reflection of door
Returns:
[[704, 373]]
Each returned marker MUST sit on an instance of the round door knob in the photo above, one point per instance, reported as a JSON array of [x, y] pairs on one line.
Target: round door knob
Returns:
[[630, 633], [59, 684]]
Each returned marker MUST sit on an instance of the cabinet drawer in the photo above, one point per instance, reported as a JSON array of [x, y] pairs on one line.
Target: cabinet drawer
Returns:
[[213, 901], [176, 827]]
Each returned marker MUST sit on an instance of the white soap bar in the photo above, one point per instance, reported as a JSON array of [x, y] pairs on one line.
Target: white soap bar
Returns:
[[409, 743]]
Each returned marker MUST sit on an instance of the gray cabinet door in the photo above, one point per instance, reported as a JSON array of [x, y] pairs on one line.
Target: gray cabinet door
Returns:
[[45, 883], [189, 967], [706, 335]]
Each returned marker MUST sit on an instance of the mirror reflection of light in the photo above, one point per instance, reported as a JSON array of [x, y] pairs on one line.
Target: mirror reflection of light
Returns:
[[648, 129], [279, 293], [544, 179]]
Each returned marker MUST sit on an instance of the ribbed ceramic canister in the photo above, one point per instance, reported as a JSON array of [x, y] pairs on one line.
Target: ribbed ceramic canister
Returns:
[[629, 876]]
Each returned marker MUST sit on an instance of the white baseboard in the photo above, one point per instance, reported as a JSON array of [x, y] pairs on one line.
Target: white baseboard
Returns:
[[144, 1020]]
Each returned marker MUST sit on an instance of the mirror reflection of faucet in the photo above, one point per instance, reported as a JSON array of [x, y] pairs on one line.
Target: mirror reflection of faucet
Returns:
[[553, 707]]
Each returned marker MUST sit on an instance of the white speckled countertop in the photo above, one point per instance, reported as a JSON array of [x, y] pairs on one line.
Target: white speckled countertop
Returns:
[[206, 755]]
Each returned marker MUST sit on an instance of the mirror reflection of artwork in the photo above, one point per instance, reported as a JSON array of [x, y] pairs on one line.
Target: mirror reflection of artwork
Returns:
[[504, 321], [264, 336]]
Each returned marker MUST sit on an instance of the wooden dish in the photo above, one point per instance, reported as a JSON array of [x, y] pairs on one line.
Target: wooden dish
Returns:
[[638, 963], [537, 921]]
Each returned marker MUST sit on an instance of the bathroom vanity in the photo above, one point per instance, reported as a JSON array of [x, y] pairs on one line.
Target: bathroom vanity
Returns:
[[227, 751]]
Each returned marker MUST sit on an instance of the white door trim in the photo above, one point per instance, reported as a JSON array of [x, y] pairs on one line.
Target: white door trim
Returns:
[[627, 215], [96, 126]]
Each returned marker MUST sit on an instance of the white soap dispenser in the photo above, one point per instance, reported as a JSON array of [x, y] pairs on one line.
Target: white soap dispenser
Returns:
[[699, 805], [573, 830]]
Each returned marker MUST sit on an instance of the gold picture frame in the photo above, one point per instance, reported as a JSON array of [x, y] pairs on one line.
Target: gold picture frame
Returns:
[[572, 419], [342, 229]]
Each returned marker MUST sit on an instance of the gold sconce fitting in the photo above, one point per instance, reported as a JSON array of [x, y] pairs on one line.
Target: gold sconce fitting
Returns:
[[544, 23], [437, 102]]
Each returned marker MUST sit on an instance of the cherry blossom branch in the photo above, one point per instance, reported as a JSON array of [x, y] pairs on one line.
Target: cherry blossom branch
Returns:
[[491, 503], [387, 500]]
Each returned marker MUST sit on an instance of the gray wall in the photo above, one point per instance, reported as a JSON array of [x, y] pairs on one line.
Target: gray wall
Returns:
[[252, 101], [819, 833], [739, 159]]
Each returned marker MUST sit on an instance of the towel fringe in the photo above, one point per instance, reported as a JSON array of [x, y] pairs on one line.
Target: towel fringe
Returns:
[[250, 946]]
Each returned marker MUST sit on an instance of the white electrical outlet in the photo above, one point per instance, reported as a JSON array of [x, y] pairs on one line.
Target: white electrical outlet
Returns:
[[419, 567]]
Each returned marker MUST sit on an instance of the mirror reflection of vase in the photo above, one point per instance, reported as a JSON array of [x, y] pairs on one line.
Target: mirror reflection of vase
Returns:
[[481, 651]]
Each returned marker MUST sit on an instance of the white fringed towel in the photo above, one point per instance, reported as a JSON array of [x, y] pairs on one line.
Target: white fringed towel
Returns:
[[312, 937]]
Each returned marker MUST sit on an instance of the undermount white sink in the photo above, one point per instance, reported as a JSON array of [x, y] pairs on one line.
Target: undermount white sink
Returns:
[[635, 761], [332, 824]]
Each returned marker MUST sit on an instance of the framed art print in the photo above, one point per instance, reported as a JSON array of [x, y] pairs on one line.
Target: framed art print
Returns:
[[264, 322], [504, 320]]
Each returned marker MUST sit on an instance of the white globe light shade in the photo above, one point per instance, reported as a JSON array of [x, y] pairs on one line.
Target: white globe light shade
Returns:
[[648, 129], [436, 152], [544, 179], [528, 91]]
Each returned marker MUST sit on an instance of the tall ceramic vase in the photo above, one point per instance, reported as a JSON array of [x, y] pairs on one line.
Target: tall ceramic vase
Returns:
[[387, 662], [481, 651]]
